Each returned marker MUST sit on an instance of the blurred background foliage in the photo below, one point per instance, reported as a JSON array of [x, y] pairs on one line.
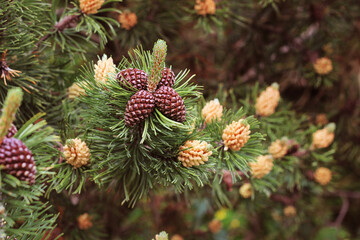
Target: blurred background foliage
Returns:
[[235, 50]]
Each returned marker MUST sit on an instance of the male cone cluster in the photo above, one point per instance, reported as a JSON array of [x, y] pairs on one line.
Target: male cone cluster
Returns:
[[84, 221], [103, 68], [194, 153], [90, 6], [262, 167], [322, 175], [323, 138], [278, 149], [268, 100], [323, 66], [289, 211], [236, 135], [204, 7], [77, 153], [127, 20], [245, 190], [212, 111]]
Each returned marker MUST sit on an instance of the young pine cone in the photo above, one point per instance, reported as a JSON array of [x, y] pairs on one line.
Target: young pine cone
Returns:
[[262, 167], [245, 190], [236, 135], [278, 149], [138, 108], [268, 100], [103, 68], [194, 153], [90, 6], [167, 78], [169, 102], [77, 153], [322, 175], [17, 160], [12, 131], [132, 77], [212, 111]]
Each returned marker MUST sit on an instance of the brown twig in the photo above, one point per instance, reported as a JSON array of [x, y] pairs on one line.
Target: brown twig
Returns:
[[343, 211], [59, 26], [341, 193]]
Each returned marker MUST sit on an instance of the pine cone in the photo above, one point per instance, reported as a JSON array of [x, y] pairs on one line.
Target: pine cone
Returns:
[[12, 131], [139, 107], [245, 190], [236, 135], [289, 211], [322, 175], [268, 100], [103, 68], [77, 153], [278, 149], [194, 153], [17, 160], [132, 77], [169, 102], [212, 111], [167, 78], [262, 167], [90, 6]]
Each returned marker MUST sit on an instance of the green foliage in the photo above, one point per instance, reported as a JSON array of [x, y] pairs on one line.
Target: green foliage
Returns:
[[25, 212], [135, 160]]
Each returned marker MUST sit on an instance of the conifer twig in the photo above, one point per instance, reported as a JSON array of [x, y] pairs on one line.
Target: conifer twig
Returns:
[[343, 211], [59, 26]]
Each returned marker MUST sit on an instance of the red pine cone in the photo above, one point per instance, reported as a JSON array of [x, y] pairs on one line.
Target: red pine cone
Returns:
[[17, 160], [139, 107], [132, 77], [167, 78], [169, 102], [12, 131]]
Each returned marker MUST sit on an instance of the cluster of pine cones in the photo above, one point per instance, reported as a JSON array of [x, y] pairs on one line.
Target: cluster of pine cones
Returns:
[[16, 158], [143, 102]]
